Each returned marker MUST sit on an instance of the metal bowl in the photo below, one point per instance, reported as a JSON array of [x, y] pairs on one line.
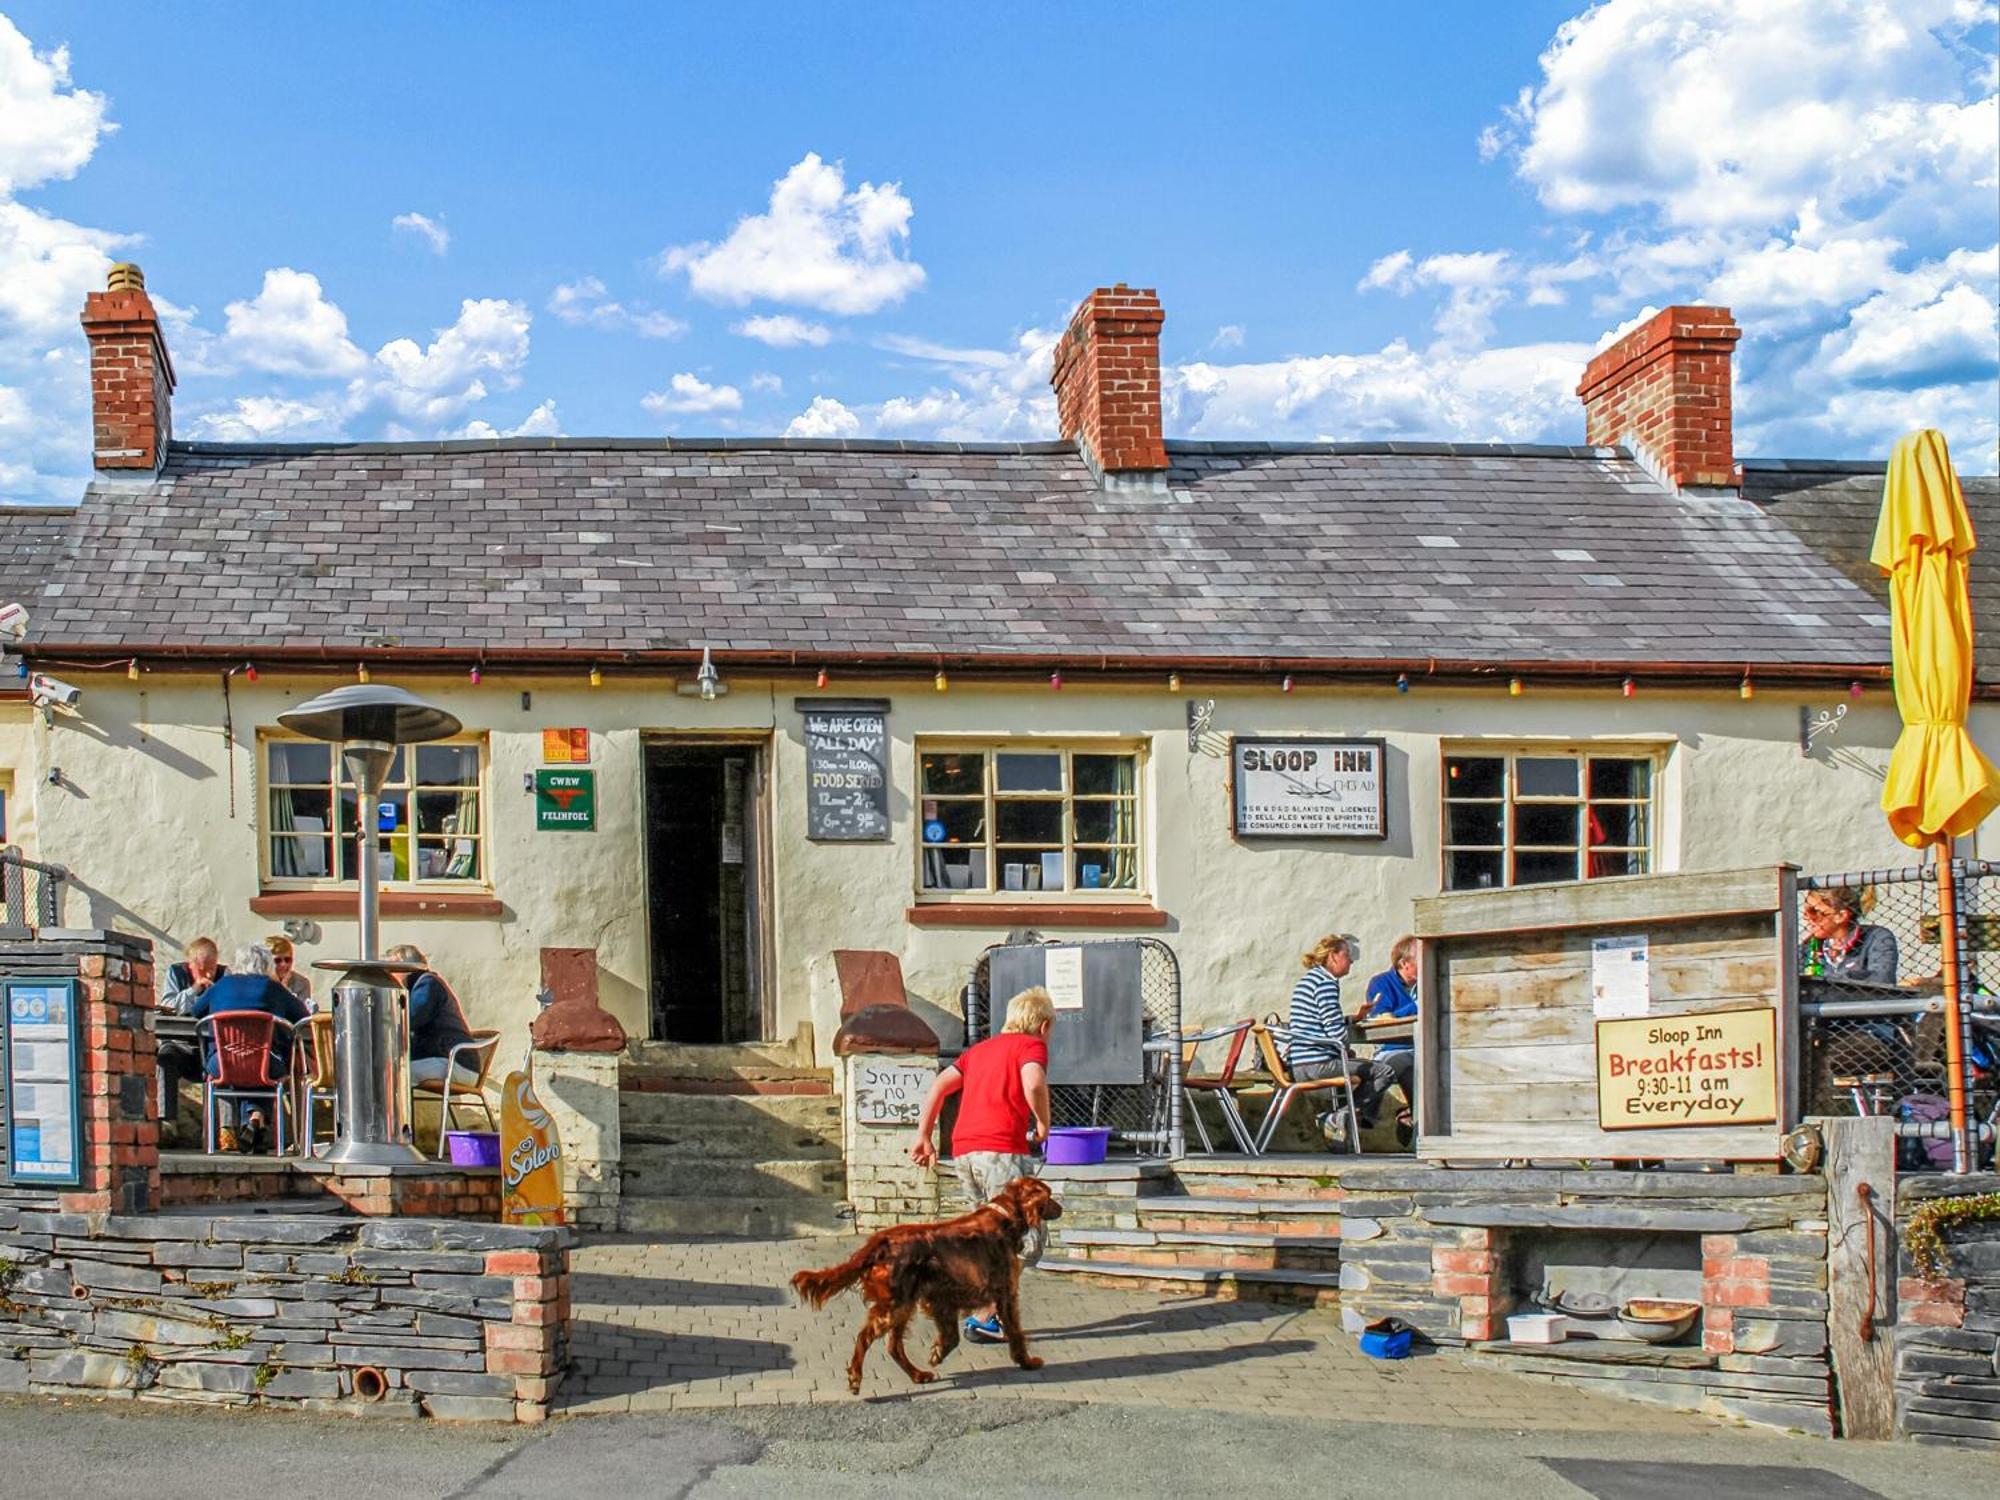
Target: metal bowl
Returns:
[[1657, 1322]]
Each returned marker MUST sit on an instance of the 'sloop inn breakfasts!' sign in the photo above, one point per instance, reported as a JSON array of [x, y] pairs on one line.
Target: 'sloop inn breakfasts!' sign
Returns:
[[1311, 789], [1716, 1067]]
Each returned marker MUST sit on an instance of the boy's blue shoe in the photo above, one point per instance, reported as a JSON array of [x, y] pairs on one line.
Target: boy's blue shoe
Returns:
[[985, 1331]]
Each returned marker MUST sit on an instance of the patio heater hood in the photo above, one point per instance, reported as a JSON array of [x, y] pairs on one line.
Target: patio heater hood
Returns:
[[371, 1041]]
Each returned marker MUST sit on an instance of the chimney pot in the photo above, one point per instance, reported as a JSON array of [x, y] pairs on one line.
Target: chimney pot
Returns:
[[131, 374], [1106, 375], [1664, 389]]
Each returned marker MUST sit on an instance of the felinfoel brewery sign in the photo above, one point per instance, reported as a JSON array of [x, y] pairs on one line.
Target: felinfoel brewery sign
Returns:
[[1307, 788]]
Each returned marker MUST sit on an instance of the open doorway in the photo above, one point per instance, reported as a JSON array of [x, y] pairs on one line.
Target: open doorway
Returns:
[[704, 901]]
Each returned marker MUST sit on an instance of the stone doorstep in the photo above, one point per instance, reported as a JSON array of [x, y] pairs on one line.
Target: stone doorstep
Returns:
[[1220, 1238], [795, 1087], [1322, 1288]]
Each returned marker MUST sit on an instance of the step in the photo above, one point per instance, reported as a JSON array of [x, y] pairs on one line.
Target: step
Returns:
[[1321, 1288], [811, 1112], [757, 1218], [653, 1156], [801, 1084], [683, 1177], [1307, 1216], [728, 1142], [737, 1060], [1315, 1176], [1253, 1252]]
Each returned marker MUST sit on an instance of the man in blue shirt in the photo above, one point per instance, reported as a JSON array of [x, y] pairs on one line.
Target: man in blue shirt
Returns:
[[1392, 993]]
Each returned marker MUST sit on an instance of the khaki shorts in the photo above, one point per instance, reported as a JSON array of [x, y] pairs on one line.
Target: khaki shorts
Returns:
[[984, 1173]]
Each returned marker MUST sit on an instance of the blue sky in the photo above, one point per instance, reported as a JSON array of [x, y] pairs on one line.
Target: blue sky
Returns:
[[439, 220]]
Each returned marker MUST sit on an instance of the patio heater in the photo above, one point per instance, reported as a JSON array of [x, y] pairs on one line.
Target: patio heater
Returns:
[[371, 1005]]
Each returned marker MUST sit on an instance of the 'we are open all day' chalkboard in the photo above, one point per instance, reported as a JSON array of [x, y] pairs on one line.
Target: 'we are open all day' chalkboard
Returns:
[[847, 769]]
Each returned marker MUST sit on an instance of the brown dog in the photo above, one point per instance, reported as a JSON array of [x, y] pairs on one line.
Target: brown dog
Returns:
[[946, 1270]]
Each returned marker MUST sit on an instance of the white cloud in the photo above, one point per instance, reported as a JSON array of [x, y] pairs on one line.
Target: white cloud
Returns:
[[541, 422], [433, 384], [1228, 336], [586, 304], [255, 419], [688, 395], [766, 383], [816, 245], [48, 127], [431, 231], [783, 331], [290, 328], [1475, 286], [1936, 325], [825, 418]]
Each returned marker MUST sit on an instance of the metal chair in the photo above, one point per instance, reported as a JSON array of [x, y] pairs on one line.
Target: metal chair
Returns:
[[312, 1072], [239, 1044], [1290, 1088], [451, 1093], [1219, 1086]]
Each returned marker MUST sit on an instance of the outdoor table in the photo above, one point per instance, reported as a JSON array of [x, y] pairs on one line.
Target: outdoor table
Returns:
[[168, 1027], [1393, 1029]]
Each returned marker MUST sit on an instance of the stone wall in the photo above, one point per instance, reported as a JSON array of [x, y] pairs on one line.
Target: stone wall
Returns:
[[1443, 1249], [1948, 1330], [883, 1184], [120, 1132], [459, 1321], [580, 1089], [424, 1190]]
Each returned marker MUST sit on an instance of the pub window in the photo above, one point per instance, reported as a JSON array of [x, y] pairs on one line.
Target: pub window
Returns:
[[1528, 817], [431, 814], [1025, 821]]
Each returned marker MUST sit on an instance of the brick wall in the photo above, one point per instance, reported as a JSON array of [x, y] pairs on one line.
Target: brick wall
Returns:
[[1106, 375], [1948, 1330], [1664, 390], [131, 375], [119, 1128], [580, 1089], [883, 1184], [461, 1321]]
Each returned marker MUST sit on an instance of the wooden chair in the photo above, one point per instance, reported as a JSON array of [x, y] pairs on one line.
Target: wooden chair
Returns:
[[1290, 1088], [451, 1093], [1220, 1086], [312, 1072]]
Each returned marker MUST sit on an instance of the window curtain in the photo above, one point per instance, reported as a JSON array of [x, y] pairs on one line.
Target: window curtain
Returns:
[[1124, 825], [285, 852], [464, 861]]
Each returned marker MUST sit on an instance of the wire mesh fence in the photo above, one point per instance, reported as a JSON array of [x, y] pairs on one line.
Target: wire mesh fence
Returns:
[[31, 893], [1872, 1007], [1145, 1114]]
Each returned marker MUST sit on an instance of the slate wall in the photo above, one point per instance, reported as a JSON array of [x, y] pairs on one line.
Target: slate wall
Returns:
[[463, 1321], [1948, 1330]]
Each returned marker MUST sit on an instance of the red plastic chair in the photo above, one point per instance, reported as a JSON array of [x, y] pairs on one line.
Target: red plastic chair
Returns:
[[245, 1068]]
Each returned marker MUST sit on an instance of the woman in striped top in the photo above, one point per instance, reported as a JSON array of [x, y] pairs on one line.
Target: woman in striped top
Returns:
[[1318, 1028]]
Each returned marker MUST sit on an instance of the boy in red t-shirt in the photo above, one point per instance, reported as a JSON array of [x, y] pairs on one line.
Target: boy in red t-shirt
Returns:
[[1002, 1116]]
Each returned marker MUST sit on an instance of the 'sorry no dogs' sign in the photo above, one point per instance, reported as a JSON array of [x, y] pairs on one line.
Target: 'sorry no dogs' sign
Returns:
[[1304, 788]]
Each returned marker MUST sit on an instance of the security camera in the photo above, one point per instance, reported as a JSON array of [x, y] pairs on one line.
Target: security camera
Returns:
[[53, 692], [13, 622]]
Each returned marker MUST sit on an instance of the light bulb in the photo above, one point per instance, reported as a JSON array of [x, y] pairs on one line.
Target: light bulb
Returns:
[[1402, 682], [361, 672], [940, 682], [1854, 690], [820, 681], [1515, 687], [474, 675], [1629, 687], [132, 670], [1287, 684], [1055, 680], [249, 671], [1173, 682], [1746, 690], [596, 677]]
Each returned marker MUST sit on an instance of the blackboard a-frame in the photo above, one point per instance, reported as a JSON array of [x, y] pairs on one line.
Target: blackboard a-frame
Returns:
[[1102, 1042]]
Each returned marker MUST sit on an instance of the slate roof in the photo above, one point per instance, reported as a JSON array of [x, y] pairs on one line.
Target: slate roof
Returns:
[[1329, 553], [1832, 507]]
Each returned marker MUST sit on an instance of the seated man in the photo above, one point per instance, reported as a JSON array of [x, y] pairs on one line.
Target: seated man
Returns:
[[1393, 993], [250, 988], [181, 985], [437, 1024]]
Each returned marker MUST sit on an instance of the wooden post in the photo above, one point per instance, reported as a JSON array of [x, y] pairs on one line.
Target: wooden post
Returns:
[[1861, 1271]]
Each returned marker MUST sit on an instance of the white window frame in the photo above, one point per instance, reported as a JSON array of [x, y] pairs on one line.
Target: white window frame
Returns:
[[270, 881], [1068, 746], [1583, 752]]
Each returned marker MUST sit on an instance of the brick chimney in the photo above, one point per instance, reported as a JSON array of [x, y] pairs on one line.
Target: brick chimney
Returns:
[[131, 377], [1663, 390], [1107, 380]]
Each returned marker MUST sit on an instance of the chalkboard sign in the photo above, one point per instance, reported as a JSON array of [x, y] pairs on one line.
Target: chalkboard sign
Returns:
[[847, 769], [1100, 1005]]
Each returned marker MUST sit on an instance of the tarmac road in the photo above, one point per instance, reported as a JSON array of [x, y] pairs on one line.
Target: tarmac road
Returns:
[[996, 1448]]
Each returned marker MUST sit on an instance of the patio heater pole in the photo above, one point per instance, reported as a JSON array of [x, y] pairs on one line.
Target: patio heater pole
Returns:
[[1955, 1023], [371, 1008]]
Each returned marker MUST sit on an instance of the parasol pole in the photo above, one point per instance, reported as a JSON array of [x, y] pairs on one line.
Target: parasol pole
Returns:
[[1954, 1011]]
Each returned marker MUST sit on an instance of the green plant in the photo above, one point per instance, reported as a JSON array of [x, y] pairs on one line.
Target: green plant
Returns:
[[1924, 1236], [265, 1374], [232, 1338], [211, 1288], [138, 1356], [354, 1276]]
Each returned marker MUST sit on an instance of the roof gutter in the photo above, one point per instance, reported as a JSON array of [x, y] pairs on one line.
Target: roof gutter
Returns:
[[923, 663]]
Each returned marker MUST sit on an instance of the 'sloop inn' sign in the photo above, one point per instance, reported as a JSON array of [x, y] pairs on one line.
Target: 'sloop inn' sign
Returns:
[[1309, 789]]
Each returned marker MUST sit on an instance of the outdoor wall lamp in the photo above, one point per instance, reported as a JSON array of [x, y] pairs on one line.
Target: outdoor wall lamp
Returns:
[[707, 685]]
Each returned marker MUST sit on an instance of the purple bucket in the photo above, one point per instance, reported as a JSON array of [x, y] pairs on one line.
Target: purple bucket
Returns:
[[473, 1148], [1078, 1145]]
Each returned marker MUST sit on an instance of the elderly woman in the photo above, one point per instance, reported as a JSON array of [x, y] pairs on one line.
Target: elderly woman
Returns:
[[437, 1023], [1840, 946], [285, 967], [249, 986]]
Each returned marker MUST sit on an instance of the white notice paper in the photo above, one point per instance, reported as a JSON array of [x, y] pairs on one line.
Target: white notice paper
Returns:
[[1620, 978], [1062, 976]]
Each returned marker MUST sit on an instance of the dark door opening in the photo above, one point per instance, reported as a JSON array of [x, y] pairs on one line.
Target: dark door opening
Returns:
[[702, 900]]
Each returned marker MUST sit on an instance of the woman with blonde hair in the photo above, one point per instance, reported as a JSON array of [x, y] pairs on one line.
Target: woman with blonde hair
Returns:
[[1317, 1044], [1003, 1112]]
